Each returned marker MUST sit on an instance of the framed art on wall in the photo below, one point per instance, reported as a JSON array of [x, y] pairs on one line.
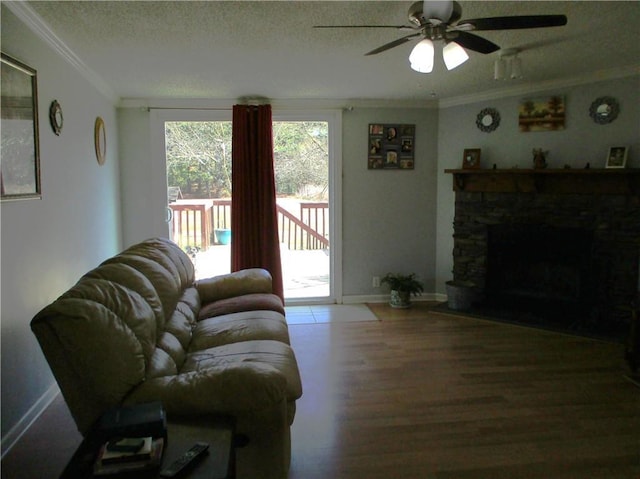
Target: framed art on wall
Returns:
[[20, 167], [542, 114], [391, 146], [617, 157]]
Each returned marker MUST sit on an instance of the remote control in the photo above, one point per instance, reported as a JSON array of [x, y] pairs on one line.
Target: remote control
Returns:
[[184, 461]]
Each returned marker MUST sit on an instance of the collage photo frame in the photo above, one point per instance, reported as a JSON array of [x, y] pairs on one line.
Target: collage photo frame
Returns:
[[391, 146]]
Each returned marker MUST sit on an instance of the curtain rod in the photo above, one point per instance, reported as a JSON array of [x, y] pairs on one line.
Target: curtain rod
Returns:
[[244, 100], [149, 108]]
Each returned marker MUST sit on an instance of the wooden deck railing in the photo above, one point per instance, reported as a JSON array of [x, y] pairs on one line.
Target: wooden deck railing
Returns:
[[195, 221], [297, 234], [192, 223]]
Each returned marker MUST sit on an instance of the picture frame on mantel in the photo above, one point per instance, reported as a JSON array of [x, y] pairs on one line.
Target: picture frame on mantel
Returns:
[[391, 146], [617, 157], [471, 159], [20, 167]]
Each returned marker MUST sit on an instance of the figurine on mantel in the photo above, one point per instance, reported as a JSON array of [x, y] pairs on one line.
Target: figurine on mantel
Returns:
[[539, 158]]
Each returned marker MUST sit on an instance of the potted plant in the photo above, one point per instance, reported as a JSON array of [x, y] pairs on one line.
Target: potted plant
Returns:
[[402, 287]]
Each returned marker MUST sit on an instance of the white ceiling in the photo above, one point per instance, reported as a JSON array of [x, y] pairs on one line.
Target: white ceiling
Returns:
[[229, 50]]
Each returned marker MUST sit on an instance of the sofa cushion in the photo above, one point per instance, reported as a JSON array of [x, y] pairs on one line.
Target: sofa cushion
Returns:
[[237, 283], [135, 281], [161, 365], [167, 267], [183, 319], [236, 327], [246, 302], [169, 255], [108, 305], [270, 354]]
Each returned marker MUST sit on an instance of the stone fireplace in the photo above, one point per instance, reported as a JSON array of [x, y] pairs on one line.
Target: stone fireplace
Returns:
[[534, 263], [559, 248]]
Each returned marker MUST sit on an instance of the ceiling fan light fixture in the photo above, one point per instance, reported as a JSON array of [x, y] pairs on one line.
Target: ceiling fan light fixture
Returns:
[[499, 68], [516, 68], [439, 9], [508, 66], [454, 55], [421, 57]]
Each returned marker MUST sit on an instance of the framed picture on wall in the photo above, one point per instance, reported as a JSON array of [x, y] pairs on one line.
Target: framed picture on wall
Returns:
[[617, 157], [391, 146], [20, 166], [542, 114]]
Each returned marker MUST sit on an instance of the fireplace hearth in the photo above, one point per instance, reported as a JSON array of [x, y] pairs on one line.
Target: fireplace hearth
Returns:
[[548, 257]]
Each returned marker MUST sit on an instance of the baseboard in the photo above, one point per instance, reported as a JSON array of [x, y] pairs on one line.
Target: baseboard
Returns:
[[384, 298], [15, 433]]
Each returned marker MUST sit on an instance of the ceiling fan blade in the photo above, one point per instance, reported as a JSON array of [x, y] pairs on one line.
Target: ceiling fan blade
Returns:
[[394, 43], [514, 23], [475, 43], [397, 27]]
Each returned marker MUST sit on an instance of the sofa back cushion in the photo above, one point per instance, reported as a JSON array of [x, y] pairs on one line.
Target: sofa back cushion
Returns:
[[168, 268]]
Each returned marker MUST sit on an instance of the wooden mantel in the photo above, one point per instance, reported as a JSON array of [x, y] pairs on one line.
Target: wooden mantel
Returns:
[[551, 181]]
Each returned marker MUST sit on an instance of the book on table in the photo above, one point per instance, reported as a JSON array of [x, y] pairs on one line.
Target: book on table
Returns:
[[114, 460]]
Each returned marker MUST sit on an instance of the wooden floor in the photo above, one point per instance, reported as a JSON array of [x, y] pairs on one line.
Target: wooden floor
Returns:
[[433, 396]]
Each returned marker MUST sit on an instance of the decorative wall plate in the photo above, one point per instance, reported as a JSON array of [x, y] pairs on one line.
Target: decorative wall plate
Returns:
[[55, 117], [488, 120], [100, 138], [604, 110]]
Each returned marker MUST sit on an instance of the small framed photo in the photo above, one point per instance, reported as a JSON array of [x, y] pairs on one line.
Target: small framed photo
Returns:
[[617, 157], [471, 158]]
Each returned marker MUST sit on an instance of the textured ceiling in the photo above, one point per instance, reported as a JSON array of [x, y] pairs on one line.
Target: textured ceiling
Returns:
[[228, 50]]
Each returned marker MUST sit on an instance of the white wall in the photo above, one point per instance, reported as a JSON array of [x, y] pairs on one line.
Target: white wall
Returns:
[[144, 178], [581, 142], [48, 244], [388, 215]]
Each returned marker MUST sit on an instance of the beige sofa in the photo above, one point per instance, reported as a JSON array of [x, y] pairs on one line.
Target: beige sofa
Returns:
[[139, 328]]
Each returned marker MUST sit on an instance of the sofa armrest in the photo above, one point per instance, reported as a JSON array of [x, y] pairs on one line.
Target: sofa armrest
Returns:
[[232, 390], [246, 281]]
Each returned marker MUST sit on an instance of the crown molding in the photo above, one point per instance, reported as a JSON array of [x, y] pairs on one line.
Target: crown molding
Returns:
[[37, 25], [529, 88], [281, 104]]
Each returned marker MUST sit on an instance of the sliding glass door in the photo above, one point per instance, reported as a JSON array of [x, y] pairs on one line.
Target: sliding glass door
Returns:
[[197, 150]]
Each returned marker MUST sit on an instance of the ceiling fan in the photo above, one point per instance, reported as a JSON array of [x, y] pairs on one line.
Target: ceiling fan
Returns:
[[440, 20]]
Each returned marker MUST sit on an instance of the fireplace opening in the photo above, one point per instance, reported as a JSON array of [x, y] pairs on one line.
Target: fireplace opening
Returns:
[[541, 270]]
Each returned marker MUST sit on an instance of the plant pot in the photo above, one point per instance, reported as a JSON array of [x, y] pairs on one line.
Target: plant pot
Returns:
[[223, 236], [461, 295], [400, 299]]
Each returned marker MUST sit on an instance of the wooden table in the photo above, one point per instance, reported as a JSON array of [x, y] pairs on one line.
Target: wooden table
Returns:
[[219, 463]]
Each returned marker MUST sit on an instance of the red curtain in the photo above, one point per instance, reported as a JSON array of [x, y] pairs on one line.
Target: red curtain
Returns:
[[254, 220]]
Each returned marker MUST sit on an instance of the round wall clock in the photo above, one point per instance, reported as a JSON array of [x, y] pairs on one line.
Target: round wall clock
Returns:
[[100, 138], [488, 120], [55, 117]]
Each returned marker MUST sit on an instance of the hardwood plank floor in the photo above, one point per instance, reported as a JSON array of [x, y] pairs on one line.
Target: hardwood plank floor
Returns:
[[427, 395], [433, 396]]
